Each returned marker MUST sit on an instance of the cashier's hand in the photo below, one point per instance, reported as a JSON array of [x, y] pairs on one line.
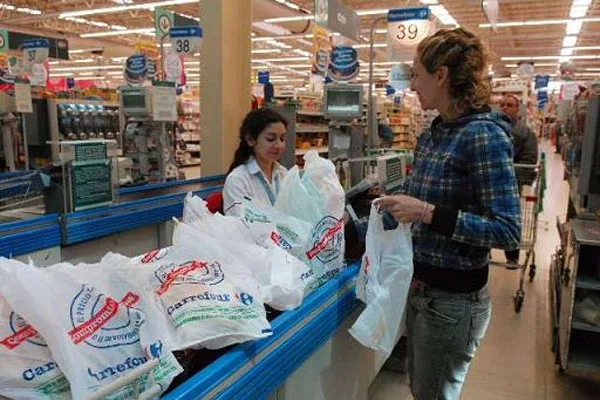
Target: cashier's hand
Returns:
[[406, 209]]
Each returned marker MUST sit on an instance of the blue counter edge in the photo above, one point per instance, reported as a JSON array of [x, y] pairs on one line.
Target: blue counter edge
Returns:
[[166, 185], [270, 372], [34, 234]]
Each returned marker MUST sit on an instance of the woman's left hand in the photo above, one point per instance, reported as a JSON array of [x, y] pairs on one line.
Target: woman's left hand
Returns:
[[406, 209]]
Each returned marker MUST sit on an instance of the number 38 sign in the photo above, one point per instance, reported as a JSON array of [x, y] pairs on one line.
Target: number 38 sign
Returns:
[[185, 39], [407, 27]]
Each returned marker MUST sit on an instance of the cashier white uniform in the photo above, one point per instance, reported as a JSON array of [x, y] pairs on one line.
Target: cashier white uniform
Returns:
[[248, 181]]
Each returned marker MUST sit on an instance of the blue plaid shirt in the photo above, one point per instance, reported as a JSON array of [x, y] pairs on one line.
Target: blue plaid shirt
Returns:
[[466, 166]]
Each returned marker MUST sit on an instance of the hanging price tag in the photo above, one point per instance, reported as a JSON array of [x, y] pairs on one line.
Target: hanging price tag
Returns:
[[35, 51], [185, 39], [407, 27]]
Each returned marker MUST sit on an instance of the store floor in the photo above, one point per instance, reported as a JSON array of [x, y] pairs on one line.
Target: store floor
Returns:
[[515, 360]]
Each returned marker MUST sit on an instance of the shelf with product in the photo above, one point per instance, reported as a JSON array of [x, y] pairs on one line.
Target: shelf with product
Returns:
[[312, 128], [188, 146], [579, 299], [401, 119]]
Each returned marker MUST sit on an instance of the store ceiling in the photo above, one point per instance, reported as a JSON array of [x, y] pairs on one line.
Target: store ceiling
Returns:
[[509, 44]]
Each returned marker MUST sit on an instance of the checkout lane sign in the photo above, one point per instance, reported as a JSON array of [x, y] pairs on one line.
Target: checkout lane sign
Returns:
[[36, 51], [185, 39], [407, 27]]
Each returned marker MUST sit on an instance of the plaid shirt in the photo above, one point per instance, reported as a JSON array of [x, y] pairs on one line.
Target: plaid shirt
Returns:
[[466, 166]]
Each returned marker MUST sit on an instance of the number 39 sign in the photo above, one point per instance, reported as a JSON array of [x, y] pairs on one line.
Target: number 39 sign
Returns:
[[407, 27]]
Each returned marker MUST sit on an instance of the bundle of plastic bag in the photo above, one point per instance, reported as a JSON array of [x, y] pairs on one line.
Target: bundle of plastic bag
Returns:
[[210, 297], [281, 277], [317, 198], [27, 369], [94, 338], [383, 283]]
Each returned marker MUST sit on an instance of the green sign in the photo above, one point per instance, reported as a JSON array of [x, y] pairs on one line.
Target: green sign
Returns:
[[163, 21], [3, 40], [91, 184], [90, 152], [90, 177]]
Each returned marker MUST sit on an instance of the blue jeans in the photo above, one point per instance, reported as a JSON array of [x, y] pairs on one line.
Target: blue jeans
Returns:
[[444, 330]]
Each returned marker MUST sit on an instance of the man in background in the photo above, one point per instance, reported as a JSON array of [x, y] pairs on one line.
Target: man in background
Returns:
[[525, 148]]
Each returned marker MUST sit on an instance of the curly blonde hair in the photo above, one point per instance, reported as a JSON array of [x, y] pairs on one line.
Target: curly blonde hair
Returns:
[[466, 58]]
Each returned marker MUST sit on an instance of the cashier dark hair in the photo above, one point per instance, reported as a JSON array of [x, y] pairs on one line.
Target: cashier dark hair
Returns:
[[255, 122]]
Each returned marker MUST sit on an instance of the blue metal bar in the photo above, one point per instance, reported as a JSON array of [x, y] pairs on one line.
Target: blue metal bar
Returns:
[[156, 186], [86, 225], [272, 370], [23, 237]]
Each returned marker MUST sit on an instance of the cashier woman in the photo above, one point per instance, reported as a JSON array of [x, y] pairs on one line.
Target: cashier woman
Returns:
[[255, 174]]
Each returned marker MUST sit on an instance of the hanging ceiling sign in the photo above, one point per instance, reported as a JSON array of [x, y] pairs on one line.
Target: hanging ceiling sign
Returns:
[[541, 81], [344, 64], [407, 27], [400, 76], [263, 77], [3, 40], [163, 21], [185, 39], [321, 51], [491, 10], [35, 51], [173, 67], [525, 69], [333, 15], [136, 69]]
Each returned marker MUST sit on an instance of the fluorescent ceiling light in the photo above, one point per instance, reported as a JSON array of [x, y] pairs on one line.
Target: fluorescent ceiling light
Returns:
[[521, 58], [114, 73], [79, 51], [569, 41], [119, 9], [265, 51], [145, 31], [90, 78], [566, 52], [592, 69], [584, 48], [428, 1], [281, 59], [87, 73], [379, 11], [536, 64], [366, 45], [381, 30], [97, 67], [528, 23], [84, 61], [60, 75], [578, 11], [574, 27], [290, 19], [582, 2]]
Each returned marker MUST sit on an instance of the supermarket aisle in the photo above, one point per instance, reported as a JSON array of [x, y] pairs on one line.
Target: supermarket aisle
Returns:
[[515, 361]]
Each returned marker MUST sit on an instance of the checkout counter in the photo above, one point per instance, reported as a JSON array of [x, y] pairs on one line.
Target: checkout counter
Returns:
[[310, 355]]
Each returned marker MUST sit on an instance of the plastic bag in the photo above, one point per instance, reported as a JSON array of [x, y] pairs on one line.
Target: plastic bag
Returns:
[[383, 283], [318, 198], [281, 277], [93, 337], [27, 369], [211, 298]]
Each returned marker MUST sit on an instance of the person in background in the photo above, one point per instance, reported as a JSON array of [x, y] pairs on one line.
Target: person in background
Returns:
[[525, 150], [386, 134], [462, 200], [255, 173]]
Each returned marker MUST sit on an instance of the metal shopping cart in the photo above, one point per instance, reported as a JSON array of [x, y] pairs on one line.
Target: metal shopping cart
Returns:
[[532, 183]]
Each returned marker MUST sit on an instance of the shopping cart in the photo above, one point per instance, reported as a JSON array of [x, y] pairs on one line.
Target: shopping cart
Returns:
[[531, 181]]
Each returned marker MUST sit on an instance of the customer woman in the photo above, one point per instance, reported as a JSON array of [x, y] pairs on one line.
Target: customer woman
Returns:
[[255, 174], [462, 200]]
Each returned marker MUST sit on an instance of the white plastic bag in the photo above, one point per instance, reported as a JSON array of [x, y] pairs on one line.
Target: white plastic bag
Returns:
[[318, 198], [281, 277], [27, 369], [211, 298], [383, 284], [93, 337]]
